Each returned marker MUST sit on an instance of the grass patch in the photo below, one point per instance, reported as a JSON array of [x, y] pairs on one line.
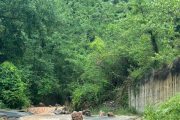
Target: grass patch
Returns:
[[95, 111], [125, 111], [117, 111], [169, 110]]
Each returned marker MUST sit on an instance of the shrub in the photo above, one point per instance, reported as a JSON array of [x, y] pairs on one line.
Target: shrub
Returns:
[[85, 96], [11, 87], [2, 105], [168, 110], [95, 110]]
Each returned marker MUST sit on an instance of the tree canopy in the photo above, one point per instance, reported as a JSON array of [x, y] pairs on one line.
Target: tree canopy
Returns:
[[81, 50]]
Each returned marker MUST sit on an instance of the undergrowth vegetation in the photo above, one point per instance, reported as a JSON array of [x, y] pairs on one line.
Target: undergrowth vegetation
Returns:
[[85, 96], [11, 87], [168, 110], [116, 110]]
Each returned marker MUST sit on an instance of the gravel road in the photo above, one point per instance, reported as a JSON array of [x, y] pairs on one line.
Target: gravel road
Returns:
[[30, 116], [68, 117], [13, 113]]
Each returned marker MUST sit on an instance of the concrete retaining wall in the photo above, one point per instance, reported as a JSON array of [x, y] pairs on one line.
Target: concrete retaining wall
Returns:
[[154, 91]]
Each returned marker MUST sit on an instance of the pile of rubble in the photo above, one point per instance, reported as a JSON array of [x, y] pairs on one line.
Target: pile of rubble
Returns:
[[49, 110], [78, 115], [58, 109]]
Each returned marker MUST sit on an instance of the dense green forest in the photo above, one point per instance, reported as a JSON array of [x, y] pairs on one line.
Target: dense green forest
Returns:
[[84, 52]]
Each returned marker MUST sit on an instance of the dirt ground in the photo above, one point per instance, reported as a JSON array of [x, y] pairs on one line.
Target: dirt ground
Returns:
[[19, 115], [68, 117]]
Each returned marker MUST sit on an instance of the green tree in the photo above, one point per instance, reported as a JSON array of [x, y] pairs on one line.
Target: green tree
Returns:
[[11, 87]]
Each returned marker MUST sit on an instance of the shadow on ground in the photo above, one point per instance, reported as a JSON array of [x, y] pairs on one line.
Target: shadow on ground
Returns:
[[13, 113]]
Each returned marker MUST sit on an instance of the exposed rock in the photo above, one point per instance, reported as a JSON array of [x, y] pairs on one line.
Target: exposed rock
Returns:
[[76, 116], [41, 104], [110, 114], [102, 113], [62, 112], [65, 108], [50, 106], [67, 112], [86, 112], [43, 110], [31, 105], [57, 105], [57, 112]]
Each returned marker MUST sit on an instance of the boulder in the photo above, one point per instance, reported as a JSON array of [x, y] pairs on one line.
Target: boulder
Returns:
[[31, 106], [50, 106], [110, 114], [62, 112], [76, 116], [57, 105], [41, 104], [57, 112], [86, 112], [102, 113]]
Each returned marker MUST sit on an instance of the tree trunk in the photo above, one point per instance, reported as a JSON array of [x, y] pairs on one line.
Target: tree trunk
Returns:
[[155, 47]]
